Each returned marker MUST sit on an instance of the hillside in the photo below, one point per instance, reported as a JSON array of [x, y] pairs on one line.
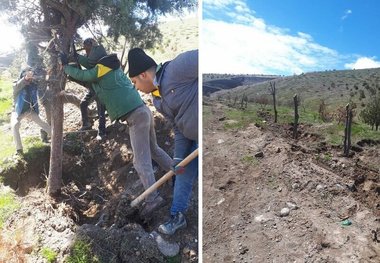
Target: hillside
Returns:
[[218, 82], [335, 87]]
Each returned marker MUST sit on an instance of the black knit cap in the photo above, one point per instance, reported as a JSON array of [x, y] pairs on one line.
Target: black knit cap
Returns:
[[138, 62]]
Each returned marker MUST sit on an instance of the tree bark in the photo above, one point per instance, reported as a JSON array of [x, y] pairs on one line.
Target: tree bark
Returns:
[[55, 169], [347, 131], [273, 92], [62, 36], [296, 117]]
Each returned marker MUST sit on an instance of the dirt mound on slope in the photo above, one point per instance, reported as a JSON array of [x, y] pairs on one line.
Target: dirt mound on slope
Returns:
[[268, 198]]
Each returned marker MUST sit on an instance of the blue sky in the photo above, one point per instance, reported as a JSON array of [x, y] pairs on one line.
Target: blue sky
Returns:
[[290, 36]]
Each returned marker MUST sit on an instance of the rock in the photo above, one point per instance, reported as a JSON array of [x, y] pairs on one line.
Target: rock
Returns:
[[291, 205], [284, 212], [259, 155], [220, 141], [166, 248], [221, 201], [278, 150], [263, 218], [320, 187], [295, 186]]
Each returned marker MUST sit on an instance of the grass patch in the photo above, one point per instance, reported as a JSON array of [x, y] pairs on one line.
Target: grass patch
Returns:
[[242, 118], [6, 145], [5, 100], [8, 205], [334, 133], [81, 253], [250, 160], [49, 254], [33, 148], [361, 131], [327, 156]]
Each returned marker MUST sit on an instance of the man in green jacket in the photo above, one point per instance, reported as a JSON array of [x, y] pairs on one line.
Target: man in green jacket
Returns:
[[123, 102]]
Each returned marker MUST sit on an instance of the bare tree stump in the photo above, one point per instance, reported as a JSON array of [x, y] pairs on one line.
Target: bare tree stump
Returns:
[[296, 117], [272, 90]]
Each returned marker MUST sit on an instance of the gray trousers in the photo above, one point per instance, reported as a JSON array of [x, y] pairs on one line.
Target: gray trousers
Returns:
[[16, 122], [145, 147]]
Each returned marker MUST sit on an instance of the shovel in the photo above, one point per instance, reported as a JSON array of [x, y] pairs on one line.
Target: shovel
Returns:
[[163, 179]]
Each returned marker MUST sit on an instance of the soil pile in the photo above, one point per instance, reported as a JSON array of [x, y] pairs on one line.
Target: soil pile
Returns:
[[269, 198]]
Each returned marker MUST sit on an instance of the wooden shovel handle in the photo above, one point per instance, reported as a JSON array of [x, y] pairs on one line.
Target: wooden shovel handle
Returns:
[[163, 179]]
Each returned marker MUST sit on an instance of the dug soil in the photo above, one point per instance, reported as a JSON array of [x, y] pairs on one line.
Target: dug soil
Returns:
[[99, 182], [269, 198]]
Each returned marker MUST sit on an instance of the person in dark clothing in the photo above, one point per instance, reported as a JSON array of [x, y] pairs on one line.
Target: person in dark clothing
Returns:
[[94, 52]]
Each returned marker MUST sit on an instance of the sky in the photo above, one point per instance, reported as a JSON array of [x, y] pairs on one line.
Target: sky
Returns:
[[12, 38], [286, 37]]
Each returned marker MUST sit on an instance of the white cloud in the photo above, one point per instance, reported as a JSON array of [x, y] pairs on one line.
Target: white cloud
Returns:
[[219, 3], [346, 14], [362, 63], [258, 48]]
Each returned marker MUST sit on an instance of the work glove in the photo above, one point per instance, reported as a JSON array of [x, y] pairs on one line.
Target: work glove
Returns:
[[178, 169], [63, 57]]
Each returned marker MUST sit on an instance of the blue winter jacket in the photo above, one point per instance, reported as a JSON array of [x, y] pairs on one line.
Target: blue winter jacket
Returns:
[[25, 95]]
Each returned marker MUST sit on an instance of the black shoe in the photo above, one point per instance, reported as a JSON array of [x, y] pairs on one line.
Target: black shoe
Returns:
[[44, 136], [176, 222]]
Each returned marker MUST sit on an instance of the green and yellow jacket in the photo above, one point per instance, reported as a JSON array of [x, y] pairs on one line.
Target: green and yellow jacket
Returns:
[[111, 85]]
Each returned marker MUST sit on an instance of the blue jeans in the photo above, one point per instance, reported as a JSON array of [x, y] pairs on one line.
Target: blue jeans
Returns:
[[184, 184]]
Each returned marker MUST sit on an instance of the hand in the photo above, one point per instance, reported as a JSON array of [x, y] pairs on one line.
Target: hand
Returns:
[[178, 169], [29, 76], [63, 57]]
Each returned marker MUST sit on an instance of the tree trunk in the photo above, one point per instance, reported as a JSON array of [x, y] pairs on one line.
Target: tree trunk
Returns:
[[273, 92], [347, 131], [57, 81], [296, 117], [55, 170]]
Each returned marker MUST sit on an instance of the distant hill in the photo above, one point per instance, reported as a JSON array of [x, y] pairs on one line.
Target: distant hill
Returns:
[[6, 59], [217, 82], [336, 87]]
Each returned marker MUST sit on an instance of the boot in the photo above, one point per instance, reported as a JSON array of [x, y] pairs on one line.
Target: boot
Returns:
[[86, 125], [176, 222], [44, 136]]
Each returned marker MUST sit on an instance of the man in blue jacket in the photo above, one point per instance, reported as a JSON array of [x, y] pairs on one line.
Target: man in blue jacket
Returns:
[[25, 105], [174, 87]]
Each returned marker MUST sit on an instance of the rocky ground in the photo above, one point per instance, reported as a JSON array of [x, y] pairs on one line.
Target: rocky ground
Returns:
[[269, 198], [99, 183]]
